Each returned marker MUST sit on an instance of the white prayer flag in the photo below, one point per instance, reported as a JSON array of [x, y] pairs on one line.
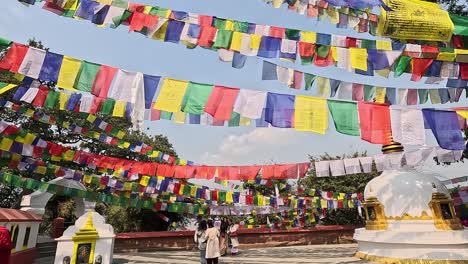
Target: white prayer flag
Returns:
[[322, 168], [32, 62], [337, 168], [407, 126], [352, 166], [366, 163]]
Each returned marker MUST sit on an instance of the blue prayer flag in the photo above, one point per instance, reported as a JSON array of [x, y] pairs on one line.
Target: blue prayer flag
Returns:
[[279, 111], [445, 127]]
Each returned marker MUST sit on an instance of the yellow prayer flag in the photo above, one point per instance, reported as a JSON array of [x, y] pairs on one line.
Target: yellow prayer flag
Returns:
[[91, 118], [383, 45], [16, 157], [193, 191], [147, 9], [277, 3], [308, 36], [236, 41], [333, 15], [244, 121], [68, 72], [463, 113], [179, 117], [358, 57], [29, 138], [7, 88], [120, 134], [446, 56], [63, 100], [229, 197], [182, 162], [119, 109], [105, 2], [144, 180], [350, 204], [323, 86], [255, 41], [127, 186], [311, 114], [41, 170], [6, 143], [160, 34], [126, 144], [29, 112], [383, 72], [171, 95], [56, 158], [229, 25], [68, 155], [323, 203], [293, 203], [461, 51], [87, 178], [334, 53], [380, 93]]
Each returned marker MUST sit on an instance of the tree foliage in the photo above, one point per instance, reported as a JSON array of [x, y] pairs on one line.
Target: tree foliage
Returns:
[[125, 219], [458, 7]]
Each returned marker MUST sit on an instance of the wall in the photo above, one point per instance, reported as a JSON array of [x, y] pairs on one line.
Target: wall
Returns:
[[264, 237]]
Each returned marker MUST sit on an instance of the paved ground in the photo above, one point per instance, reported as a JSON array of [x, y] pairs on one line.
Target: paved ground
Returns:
[[326, 254]]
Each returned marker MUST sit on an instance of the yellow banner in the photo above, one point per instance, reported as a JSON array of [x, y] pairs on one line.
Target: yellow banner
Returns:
[[414, 19]]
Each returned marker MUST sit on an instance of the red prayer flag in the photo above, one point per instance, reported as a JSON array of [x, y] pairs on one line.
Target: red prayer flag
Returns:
[[306, 49], [103, 81], [97, 102], [221, 102], [324, 62], [40, 97], [358, 92], [205, 21], [277, 32], [297, 82], [141, 20], [351, 42], [14, 57], [375, 122], [268, 171], [412, 97], [207, 34], [419, 67], [135, 7], [286, 171], [249, 172], [464, 71]]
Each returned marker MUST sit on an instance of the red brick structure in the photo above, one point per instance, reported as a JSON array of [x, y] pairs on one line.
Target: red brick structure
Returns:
[[261, 237]]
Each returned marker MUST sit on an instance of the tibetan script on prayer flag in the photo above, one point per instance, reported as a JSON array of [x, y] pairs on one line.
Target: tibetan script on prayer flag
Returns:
[[413, 19]]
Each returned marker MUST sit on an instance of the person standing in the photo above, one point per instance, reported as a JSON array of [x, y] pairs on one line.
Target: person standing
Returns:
[[212, 244], [223, 240], [200, 239], [234, 239]]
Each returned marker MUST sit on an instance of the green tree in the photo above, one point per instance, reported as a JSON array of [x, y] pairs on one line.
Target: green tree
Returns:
[[11, 197], [458, 7]]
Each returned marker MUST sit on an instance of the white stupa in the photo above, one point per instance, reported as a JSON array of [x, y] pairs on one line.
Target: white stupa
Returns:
[[410, 218]]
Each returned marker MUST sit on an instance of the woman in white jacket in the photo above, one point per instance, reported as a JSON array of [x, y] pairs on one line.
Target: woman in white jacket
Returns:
[[212, 245], [201, 239], [234, 239]]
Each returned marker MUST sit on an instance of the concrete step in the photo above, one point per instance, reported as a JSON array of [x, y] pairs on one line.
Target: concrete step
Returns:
[[46, 249], [47, 260]]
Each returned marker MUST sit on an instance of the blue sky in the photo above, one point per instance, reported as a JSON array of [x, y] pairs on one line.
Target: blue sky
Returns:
[[202, 144]]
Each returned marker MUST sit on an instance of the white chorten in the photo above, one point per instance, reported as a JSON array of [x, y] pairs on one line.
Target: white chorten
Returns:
[[410, 218]]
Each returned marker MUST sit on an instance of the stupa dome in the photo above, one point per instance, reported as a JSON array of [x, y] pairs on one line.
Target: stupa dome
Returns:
[[405, 193]]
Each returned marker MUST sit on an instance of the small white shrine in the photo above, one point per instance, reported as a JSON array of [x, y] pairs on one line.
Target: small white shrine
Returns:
[[90, 240], [410, 218]]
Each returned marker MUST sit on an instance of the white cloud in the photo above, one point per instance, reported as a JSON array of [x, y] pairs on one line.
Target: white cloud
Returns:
[[260, 145]]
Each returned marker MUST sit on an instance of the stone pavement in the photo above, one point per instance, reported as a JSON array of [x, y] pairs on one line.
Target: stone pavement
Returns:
[[325, 254]]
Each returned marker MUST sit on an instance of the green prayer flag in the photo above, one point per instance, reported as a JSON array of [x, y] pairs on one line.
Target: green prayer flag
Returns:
[[120, 3], [369, 92], [31, 184], [43, 187], [401, 65], [345, 116], [107, 106], [86, 75], [51, 99], [235, 120], [119, 19], [223, 39], [368, 44], [196, 97], [322, 50], [309, 80], [461, 24], [219, 23], [306, 60], [222, 196], [292, 33], [166, 115], [187, 190], [241, 26], [4, 43], [423, 96]]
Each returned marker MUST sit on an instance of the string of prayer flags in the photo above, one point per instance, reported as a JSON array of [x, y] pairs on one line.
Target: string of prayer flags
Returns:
[[264, 41], [328, 87]]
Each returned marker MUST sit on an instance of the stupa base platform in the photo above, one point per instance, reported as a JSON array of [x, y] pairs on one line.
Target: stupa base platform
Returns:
[[408, 247]]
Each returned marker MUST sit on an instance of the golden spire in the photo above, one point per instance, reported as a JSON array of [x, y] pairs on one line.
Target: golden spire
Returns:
[[88, 231], [393, 147]]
